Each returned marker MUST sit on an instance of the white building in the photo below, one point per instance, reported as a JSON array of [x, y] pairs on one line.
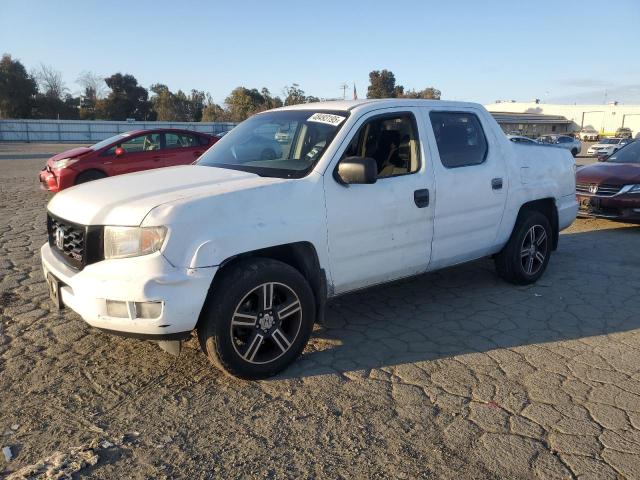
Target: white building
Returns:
[[606, 119]]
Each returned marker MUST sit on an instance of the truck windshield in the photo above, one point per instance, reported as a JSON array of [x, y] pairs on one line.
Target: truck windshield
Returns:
[[285, 144], [628, 154]]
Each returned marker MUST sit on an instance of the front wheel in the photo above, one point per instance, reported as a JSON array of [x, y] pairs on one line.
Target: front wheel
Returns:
[[257, 319], [525, 257]]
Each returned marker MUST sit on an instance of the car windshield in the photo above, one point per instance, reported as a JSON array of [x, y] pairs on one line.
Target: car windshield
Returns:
[[629, 154], [610, 141], [285, 144], [106, 142]]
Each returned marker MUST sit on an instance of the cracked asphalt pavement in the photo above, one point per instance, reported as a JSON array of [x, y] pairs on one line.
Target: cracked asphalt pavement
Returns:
[[454, 374]]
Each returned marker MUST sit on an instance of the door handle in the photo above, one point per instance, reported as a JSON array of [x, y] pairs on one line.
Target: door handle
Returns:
[[496, 183], [157, 158], [421, 197]]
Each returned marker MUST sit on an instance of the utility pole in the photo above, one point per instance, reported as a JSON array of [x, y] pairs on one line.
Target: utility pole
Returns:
[[344, 87]]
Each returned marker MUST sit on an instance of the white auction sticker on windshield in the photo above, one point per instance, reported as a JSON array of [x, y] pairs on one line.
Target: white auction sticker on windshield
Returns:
[[327, 118]]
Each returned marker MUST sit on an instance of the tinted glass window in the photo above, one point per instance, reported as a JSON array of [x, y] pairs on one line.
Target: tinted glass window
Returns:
[[628, 154], [391, 140], [180, 140], [142, 143], [460, 138]]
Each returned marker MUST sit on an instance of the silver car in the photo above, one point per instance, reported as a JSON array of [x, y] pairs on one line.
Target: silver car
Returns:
[[562, 141]]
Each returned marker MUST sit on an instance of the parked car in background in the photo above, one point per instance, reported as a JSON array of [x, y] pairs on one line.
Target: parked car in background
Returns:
[[124, 153], [522, 139], [624, 132], [245, 249], [607, 146], [562, 141], [589, 135], [611, 189], [283, 135]]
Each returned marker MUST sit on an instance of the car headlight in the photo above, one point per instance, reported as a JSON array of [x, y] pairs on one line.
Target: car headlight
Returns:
[[632, 188], [64, 163], [123, 242]]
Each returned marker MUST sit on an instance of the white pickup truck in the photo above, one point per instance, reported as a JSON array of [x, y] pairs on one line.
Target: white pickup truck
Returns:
[[245, 247]]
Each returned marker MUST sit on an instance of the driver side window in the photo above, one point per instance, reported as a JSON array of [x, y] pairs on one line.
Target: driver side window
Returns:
[[391, 140], [141, 143]]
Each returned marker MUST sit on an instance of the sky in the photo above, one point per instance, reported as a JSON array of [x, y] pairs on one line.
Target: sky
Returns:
[[570, 51]]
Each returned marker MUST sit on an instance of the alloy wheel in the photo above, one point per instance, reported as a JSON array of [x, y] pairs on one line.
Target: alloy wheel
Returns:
[[266, 323], [534, 249]]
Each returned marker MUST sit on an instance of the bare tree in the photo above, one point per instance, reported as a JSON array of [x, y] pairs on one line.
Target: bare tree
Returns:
[[92, 82], [50, 81]]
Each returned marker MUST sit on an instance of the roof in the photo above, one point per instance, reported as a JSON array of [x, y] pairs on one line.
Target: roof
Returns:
[[537, 118], [348, 105]]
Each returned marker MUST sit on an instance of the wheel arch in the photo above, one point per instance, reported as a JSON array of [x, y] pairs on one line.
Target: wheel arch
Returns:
[[546, 206], [300, 255], [89, 170]]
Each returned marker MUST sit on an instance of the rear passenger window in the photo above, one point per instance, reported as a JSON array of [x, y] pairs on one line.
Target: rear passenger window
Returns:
[[460, 138], [180, 140]]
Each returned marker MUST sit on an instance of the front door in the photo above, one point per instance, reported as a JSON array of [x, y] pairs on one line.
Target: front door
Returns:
[[381, 231], [472, 186], [142, 152]]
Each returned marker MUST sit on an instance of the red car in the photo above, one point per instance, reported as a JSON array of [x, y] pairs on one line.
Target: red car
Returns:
[[611, 188], [124, 153]]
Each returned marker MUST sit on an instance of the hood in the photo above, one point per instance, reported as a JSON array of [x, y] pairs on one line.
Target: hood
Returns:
[[609, 173], [126, 199], [74, 152]]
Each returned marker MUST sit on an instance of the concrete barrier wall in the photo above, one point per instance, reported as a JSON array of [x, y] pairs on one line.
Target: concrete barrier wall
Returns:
[[80, 131]]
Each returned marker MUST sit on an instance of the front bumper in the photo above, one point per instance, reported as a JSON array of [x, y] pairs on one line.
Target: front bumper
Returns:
[[617, 207], [48, 181], [149, 278]]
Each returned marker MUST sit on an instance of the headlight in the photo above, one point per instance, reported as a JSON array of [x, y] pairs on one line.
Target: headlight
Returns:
[[122, 242], [64, 163], [632, 188]]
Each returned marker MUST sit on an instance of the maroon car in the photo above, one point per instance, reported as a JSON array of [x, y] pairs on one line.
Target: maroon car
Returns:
[[611, 189], [124, 153]]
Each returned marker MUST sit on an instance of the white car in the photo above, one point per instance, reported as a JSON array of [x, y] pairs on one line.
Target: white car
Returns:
[[607, 146], [589, 135], [522, 140], [562, 141], [246, 250]]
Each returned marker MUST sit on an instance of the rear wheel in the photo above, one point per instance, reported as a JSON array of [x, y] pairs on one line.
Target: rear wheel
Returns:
[[89, 176], [525, 257], [257, 319]]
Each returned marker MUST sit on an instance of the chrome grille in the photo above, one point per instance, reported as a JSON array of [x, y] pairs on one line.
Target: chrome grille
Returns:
[[602, 190], [68, 239]]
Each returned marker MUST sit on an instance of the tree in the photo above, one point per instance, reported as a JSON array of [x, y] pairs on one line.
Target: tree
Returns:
[[429, 93], [17, 89], [212, 112], [127, 99], [50, 82], [294, 95], [244, 102], [383, 85]]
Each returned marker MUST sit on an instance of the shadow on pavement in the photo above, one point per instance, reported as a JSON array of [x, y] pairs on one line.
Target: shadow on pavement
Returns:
[[590, 288]]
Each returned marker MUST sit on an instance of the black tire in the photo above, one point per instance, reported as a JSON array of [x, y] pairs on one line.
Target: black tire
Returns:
[[574, 152], [230, 340], [511, 263], [89, 176]]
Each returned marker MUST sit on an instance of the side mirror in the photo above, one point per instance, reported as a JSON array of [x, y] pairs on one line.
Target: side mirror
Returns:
[[357, 170], [119, 151]]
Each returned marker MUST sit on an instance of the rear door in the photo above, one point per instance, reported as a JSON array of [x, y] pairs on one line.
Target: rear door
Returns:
[[142, 152], [471, 185], [182, 148], [382, 231]]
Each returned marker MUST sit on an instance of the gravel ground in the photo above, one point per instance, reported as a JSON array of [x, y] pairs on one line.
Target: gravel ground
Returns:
[[454, 374]]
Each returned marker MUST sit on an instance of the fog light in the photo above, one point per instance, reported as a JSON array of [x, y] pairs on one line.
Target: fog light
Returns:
[[148, 309], [117, 309]]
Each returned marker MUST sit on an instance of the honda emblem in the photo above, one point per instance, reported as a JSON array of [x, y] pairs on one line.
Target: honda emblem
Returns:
[[593, 189], [59, 238]]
